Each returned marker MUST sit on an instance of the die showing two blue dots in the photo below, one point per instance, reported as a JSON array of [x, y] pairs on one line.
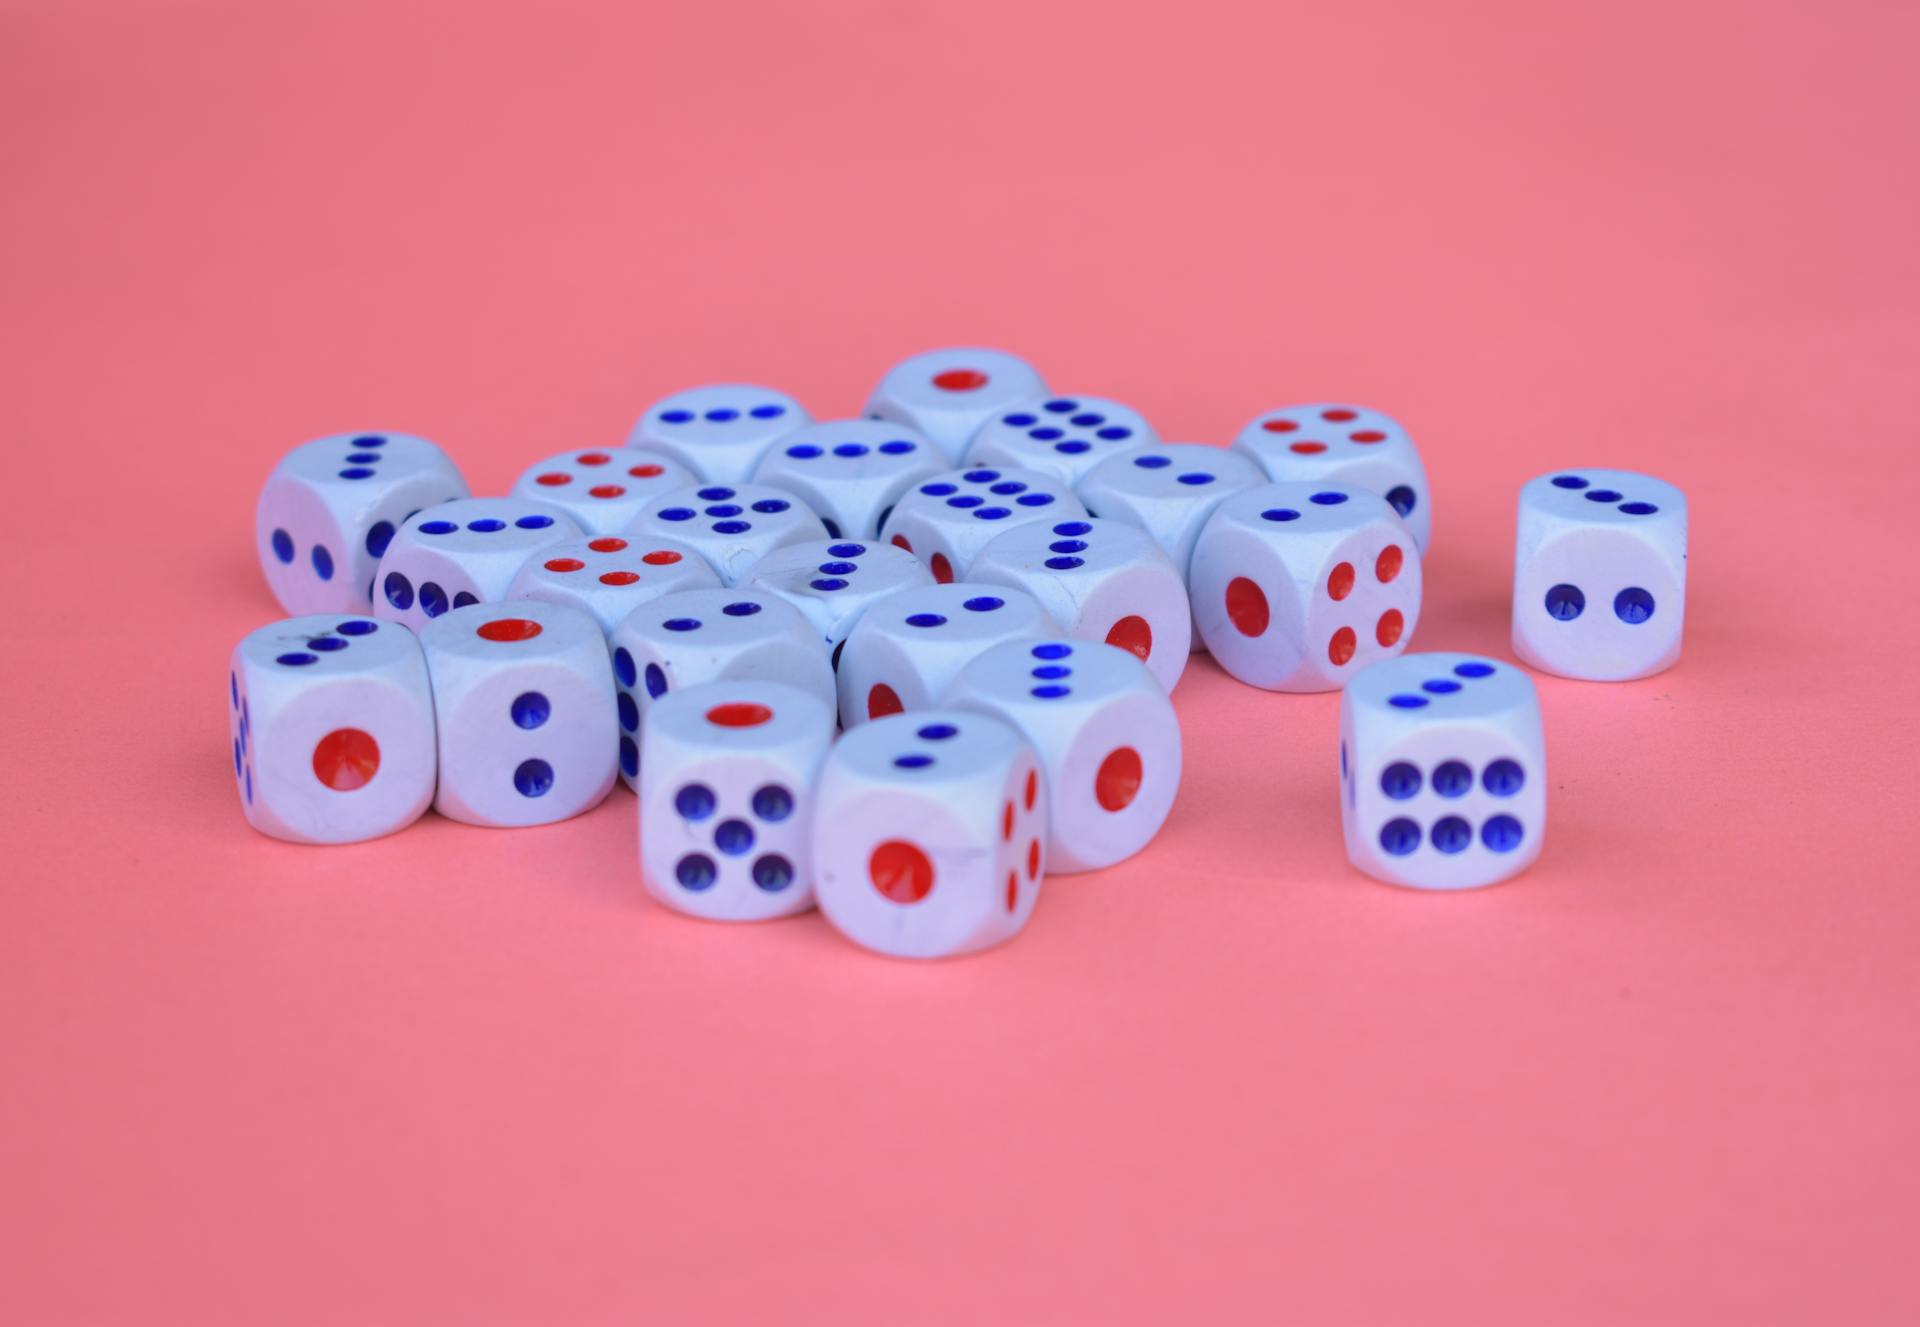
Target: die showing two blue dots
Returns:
[[1440, 686], [1632, 605], [931, 732]]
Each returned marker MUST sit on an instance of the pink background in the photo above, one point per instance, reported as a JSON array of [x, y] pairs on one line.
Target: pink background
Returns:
[[1668, 1076]]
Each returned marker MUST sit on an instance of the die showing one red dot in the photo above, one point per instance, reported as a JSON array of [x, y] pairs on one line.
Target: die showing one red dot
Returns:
[[1340, 581], [661, 557], [1388, 564], [900, 541], [1118, 782], [1387, 630], [619, 577], [1033, 859], [593, 458], [647, 471], [941, 568], [1368, 436], [564, 564], [1132, 634], [900, 871], [553, 479], [1033, 787], [608, 544], [882, 701], [1337, 416], [1013, 891], [1280, 426], [1341, 647], [1247, 607], [1307, 448], [507, 629], [345, 759], [606, 491], [960, 380], [739, 714], [1006, 823]]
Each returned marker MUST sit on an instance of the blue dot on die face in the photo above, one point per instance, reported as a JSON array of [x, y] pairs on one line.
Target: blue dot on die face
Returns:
[[1638, 508], [1153, 462], [926, 620], [322, 562], [827, 584], [677, 513], [1400, 780], [682, 624], [1114, 433], [1602, 495], [326, 644], [722, 415], [530, 709], [1061, 406], [486, 525], [1008, 488], [772, 873], [804, 451], [356, 472], [399, 591], [985, 603], [623, 667], [724, 509], [768, 411], [1501, 833], [1633, 605], [769, 506], [1328, 499], [379, 535], [1019, 419], [629, 712], [363, 458], [1072, 448], [1440, 686], [676, 416], [297, 659], [694, 802], [1073, 528], [1052, 650], [992, 514], [464, 599], [533, 778], [1565, 602], [715, 493], [282, 545], [358, 626], [437, 527], [981, 476], [772, 803], [1052, 691], [847, 550], [1503, 777], [898, 447], [1044, 434], [1087, 421], [965, 500], [433, 599], [1052, 672], [731, 527], [368, 440], [629, 758], [850, 450], [1407, 702], [742, 608], [838, 568], [938, 490], [913, 761], [1279, 514], [1452, 778], [656, 681], [733, 837], [695, 871], [1035, 499], [1473, 670], [233, 689], [938, 732], [1067, 546], [1065, 563], [1399, 836], [1401, 499], [1451, 834], [1569, 481], [1196, 477]]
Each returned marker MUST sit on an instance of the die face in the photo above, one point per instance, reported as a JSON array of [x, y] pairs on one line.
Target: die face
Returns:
[[733, 525], [1442, 771], [906, 649], [948, 394], [1061, 436], [720, 432], [1103, 581], [608, 576], [729, 771], [947, 520], [1333, 443], [929, 833], [462, 553], [331, 507], [1106, 735], [833, 581], [525, 702], [1600, 574], [1168, 491], [850, 471], [332, 726], [1297, 587], [700, 636], [603, 489]]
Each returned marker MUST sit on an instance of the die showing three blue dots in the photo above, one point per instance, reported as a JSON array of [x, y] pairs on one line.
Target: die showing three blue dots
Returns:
[[722, 414], [1050, 670]]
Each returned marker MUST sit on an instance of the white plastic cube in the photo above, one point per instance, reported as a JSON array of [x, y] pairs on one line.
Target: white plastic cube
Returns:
[[463, 553], [1331, 443], [720, 432], [608, 576], [603, 488], [834, 581], [1063, 436], [733, 525], [850, 471], [947, 520], [906, 650], [948, 394]]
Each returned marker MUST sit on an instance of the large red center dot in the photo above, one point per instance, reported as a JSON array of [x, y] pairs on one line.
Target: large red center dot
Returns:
[[1341, 647], [1387, 630], [609, 544], [593, 458], [882, 701], [507, 629], [1388, 564], [1247, 607], [345, 759], [606, 491], [960, 380], [619, 577], [1280, 426], [661, 557], [564, 564], [1340, 582], [900, 871], [1118, 782], [739, 714], [1132, 634], [941, 568], [554, 479]]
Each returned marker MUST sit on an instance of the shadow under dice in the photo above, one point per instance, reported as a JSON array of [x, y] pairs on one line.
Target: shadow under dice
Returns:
[[463, 553], [947, 520], [525, 702], [330, 508], [720, 432], [604, 489], [733, 525], [728, 770], [1348, 445], [1106, 734], [699, 636], [833, 582], [948, 394], [928, 834], [1063, 437], [609, 576], [850, 471], [1600, 574], [332, 725], [1443, 778], [906, 650], [1103, 580], [1297, 586]]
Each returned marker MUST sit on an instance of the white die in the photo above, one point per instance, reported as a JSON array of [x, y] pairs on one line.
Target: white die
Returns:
[[462, 553], [1298, 586], [1102, 580], [733, 525], [1329, 443], [603, 489], [1600, 574], [1106, 734], [906, 650], [929, 833], [609, 575], [1443, 771], [525, 704], [948, 394], [332, 725], [719, 432], [698, 636], [834, 581], [1065, 436], [728, 773], [330, 508], [947, 520], [850, 471]]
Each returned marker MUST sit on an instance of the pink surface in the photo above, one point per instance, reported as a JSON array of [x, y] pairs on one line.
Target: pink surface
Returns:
[[463, 1076]]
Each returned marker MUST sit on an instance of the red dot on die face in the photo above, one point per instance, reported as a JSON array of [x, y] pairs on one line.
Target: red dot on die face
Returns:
[[1033, 787], [553, 479], [1340, 581], [646, 471], [1337, 416], [507, 629], [1006, 823], [941, 568], [900, 871], [739, 714], [960, 380], [345, 759], [1013, 891], [1388, 564], [564, 564], [1247, 607], [619, 577], [882, 701], [1368, 436], [900, 541], [593, 458], [1387, 630], [1341, 647], [1118, 781], [1033, 859], [661, 557], [1131, 633], [606, 491], [1307, 448], [1279, 426], [607, 544]]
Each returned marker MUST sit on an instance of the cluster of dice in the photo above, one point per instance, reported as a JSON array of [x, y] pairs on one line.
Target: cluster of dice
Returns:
[[902, 666]]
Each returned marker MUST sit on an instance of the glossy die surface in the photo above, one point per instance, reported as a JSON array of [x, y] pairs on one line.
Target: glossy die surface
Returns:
[[330, 508], [733, 525], [1168, 491], [728, 775], [1102, 580], [948, 394], [850, 471], [719, 432], [929, 833], [1297, 586], [698, 636], [1600, 574], [609, 576], [462, 553], [906, 649], [948, 519], [1106, 734], [525, 703], [834, 581], [332, 725], [1062, 436], [603, 489], [1443, 777], [1330, 443]]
